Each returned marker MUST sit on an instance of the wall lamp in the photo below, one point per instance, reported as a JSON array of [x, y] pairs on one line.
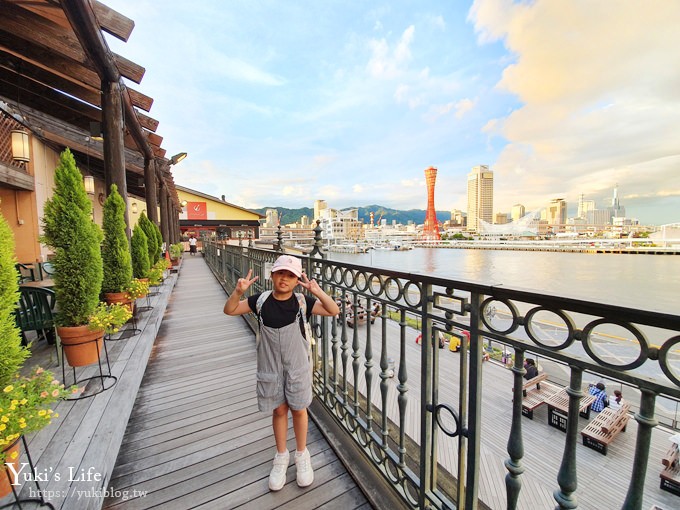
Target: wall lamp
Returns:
[[134, 208], [183, 204], [177, 158], [88, 181], [20, 146]]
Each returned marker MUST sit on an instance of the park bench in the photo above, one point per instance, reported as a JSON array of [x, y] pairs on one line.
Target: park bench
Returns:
[[605, 427], [533, 397], [670, 476]]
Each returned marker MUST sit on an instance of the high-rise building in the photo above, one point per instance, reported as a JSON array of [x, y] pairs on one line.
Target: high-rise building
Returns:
[[272, 218], [584, 206], [457, 217], [431, 226], [618, 211], [517, 212], [556, 214], [480, 196], [500, 218], [319, 205]]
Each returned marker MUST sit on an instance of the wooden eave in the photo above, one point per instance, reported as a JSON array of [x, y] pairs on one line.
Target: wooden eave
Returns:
[[53, 59]]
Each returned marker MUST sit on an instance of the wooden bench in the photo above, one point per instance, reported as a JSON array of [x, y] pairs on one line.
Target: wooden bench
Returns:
[[535, 397], [605, 427], [670, 477]]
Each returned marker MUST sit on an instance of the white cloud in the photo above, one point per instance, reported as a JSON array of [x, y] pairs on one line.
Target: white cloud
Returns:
[[598, 97], [386, 64]]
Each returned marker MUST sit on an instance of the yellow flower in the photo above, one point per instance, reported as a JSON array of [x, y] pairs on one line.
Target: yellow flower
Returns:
[[56, 415], [24, 401], [4, 419], [42, 412], [8, 388], [22, 425], [13, 455], [2, 427]]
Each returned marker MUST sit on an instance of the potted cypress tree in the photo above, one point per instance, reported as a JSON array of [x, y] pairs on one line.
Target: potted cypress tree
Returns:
[[116, 258], [139, 253], [152, 238], [75, 238], [24, 400]]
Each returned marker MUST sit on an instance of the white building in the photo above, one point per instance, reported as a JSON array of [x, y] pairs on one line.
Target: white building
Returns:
[[480, 196]]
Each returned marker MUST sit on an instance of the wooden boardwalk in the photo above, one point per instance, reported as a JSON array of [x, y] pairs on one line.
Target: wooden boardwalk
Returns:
[[195, 438]]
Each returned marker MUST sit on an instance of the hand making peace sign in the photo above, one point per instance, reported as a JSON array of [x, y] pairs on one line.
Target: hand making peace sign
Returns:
[[243, 284]]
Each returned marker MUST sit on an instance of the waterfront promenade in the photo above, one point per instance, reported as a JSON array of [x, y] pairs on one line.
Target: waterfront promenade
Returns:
[[195, 438]]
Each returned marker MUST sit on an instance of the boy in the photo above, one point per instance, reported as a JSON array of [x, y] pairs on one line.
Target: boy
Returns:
[[284, 379]]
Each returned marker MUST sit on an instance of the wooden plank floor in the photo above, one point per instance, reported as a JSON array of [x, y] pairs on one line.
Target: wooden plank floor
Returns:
[[195, 438]]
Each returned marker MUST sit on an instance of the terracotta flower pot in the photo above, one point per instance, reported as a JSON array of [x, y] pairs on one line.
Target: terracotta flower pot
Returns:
[[81, 345], [5, 487], [120, 297]]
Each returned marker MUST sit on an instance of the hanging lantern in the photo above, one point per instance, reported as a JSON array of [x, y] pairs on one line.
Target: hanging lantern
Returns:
[[20, 147]]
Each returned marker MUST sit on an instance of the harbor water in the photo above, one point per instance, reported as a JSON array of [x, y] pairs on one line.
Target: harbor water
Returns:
[[651, 282]]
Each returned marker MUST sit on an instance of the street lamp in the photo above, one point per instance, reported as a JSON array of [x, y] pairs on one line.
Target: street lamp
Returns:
[[177, 158]]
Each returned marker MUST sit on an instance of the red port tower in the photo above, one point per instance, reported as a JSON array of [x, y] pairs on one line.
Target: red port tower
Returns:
[[431, 227]]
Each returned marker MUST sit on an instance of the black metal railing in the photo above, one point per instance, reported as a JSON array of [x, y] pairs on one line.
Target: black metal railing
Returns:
[[391, 404]]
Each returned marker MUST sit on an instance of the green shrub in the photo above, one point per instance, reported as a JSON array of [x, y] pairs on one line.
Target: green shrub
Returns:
[[159, 242], [152, 238], [176, 250], [75, 238], [116, 248], [140, 253], [12, 355]]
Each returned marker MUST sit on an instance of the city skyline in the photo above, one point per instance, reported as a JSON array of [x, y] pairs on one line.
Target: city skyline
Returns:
[[353, 100]]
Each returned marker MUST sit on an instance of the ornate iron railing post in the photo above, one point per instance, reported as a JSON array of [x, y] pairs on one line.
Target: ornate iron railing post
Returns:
[[475, 404], [513, 482], [647, 422], [428, 435], [318, 241], [567, 477], [278, 245]]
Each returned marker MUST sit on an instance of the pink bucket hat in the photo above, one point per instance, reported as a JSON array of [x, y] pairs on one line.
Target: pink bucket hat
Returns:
[[292, 264]]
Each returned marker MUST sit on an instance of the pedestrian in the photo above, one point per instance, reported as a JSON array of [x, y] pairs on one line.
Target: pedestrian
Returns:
[[192, 245], [531, 370], [616, 401], [600, 394], [284, 375]]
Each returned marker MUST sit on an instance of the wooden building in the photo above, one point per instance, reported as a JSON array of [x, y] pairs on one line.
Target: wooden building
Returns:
[[205, 215], [61, 86]]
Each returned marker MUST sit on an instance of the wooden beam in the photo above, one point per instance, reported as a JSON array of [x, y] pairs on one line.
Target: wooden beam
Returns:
[[62, 68], [16, 179], [146, 122], [112, 22], [109, 20], [35, 29], [24, 70], [42, 98]]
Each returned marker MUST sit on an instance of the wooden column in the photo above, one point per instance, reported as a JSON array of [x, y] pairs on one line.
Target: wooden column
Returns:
[[114, 143], [150, 190], [163, 196]]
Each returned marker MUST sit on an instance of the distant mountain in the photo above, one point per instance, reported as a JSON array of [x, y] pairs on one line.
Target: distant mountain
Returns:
[[417, 216]]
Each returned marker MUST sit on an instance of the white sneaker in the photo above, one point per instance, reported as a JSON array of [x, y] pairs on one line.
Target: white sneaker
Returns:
[[277, 476], [303, 464]]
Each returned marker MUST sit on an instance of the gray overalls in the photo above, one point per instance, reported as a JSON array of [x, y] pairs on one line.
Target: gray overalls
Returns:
[[283, 369]]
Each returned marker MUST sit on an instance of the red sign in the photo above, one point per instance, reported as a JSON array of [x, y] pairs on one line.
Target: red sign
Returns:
[[197, 211]]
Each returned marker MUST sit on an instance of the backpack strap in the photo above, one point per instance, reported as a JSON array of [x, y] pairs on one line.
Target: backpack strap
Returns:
[[302, 302], [258, 308]]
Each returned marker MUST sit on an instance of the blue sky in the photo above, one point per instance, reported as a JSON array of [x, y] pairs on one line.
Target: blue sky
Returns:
[[282, 103]]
